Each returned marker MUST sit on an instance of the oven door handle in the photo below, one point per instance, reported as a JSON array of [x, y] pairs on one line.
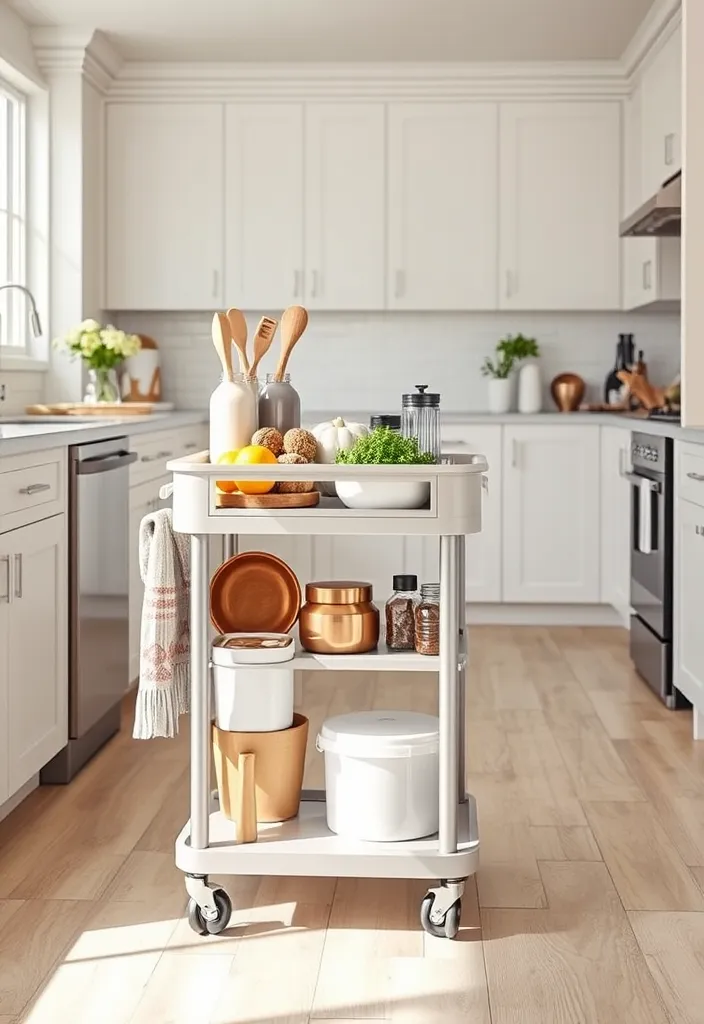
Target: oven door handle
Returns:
[[639, 481]]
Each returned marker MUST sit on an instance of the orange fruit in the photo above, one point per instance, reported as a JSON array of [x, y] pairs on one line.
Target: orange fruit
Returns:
[[253, 455], [226, 486]]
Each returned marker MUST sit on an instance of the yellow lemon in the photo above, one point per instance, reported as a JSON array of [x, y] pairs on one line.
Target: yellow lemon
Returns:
[[251, 455], [226, 486]]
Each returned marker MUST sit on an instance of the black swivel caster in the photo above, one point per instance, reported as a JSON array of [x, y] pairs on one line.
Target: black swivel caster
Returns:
[[200, 925]]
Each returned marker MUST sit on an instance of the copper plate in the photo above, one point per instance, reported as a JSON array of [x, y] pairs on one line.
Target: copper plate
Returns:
[[254, 592]]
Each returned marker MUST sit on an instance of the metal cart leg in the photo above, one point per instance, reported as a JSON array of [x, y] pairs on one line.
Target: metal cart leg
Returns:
[[449, 695], [200, 695], [229, 546], [462, 673]]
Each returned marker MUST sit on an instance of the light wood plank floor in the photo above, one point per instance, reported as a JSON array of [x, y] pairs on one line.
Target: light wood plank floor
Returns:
[[588, 908]]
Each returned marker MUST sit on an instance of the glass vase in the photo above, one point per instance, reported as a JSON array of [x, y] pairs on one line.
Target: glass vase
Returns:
[[102, 386]]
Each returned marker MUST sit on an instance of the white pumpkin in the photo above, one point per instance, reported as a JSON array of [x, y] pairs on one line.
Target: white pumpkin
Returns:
[[331, 437]]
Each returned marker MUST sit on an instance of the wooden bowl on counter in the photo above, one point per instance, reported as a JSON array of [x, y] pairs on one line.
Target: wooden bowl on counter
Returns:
[[567, 390]]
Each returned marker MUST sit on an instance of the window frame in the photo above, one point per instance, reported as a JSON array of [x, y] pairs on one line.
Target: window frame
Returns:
[[15, 323]]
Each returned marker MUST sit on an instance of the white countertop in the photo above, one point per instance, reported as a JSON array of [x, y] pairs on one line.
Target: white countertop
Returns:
[[16, 438]]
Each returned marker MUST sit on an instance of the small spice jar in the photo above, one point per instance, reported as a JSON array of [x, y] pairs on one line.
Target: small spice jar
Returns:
[[400, 614], [339, 618], [427, 620]]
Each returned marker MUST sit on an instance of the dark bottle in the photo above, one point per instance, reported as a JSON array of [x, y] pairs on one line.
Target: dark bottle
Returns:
[[612, 385]]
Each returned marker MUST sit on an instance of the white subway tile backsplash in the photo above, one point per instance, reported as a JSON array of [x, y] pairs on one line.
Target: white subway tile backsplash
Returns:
[[366, 360]]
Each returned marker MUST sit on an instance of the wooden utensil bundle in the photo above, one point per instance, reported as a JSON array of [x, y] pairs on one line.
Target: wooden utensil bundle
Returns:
[[294, 321]]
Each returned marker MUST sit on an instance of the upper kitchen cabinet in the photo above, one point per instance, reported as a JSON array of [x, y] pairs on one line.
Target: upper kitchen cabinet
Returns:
[[661, 127], [263, 216], [560, 187], [345, 206], [164, 239], [442, 206], [551, 549]]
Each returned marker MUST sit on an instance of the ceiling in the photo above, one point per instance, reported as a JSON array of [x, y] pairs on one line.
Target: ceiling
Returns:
[[351, 30]]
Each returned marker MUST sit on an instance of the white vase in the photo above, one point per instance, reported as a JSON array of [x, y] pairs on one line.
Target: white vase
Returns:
[[500, 390], [530, 392]]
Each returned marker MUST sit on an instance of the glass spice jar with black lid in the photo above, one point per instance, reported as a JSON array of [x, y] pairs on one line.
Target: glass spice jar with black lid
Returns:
[[400, 613]]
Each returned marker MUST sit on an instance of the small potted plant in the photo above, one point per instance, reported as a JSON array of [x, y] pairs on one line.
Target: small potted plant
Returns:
[[102, 349], [510, 350]]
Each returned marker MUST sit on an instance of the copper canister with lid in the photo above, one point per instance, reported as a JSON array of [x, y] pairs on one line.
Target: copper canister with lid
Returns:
[[339, 617]]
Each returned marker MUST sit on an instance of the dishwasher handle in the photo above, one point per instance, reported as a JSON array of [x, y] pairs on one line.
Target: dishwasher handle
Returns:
[[105, 463]]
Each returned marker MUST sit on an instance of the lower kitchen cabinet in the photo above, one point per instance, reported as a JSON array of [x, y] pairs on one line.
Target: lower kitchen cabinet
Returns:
[[33, 650], [551, 514], [689, 584], [616, 520]]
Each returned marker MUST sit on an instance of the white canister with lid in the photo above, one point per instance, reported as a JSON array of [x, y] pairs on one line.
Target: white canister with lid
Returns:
[[233, 416], [381, 775], [253, 687]]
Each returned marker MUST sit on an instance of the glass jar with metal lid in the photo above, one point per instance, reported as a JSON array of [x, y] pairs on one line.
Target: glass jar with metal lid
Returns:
[[339, 618], [420, 418]]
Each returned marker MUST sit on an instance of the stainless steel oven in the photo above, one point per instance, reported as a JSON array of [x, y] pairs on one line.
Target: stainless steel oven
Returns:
[[651, 482]]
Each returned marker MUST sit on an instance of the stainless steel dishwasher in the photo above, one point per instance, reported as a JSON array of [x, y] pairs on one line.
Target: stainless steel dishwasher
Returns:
[[98, 596]]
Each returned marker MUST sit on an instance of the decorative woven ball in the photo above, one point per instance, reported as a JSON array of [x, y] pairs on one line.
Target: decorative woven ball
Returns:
[[300, 442], [269, 437], [294, 486]]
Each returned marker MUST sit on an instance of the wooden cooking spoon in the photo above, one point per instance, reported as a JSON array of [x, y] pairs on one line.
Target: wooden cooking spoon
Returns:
[[238, 333], [223, 344], [294, 321], [263, 338]]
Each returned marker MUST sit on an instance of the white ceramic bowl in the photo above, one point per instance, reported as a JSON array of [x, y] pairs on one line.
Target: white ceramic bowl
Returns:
[[383, 493]]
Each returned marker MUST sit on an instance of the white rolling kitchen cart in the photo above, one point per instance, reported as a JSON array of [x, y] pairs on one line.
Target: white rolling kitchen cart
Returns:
[[305, 846]]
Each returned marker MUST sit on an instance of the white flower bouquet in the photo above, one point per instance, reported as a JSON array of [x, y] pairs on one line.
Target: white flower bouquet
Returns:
[[102, 349]]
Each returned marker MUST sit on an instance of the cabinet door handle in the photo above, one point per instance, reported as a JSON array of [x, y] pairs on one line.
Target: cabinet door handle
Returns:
[[216, 282], [647, 275], [514, 453], [151, 458], [35, 488], [297, 284], [191, 446], [485, 483], [400, 283], [164, 455], [452, 440], [315, 286], [696, 476], [18, 576], [699, 530], [669, 149], [7, 562], [509, 284]]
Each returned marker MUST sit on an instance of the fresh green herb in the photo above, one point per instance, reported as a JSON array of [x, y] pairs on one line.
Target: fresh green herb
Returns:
[[510, 350], [385, 447]]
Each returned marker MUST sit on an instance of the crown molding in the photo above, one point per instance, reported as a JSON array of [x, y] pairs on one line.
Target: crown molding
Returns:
[[183, 81], [89, 53], [657, 26]]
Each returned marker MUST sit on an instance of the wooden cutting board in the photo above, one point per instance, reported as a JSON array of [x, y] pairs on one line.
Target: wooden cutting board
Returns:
[[91, 409], [306, 500]]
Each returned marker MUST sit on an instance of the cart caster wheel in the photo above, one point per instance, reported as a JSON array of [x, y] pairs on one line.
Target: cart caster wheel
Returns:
[[448, 927], [198, 922]]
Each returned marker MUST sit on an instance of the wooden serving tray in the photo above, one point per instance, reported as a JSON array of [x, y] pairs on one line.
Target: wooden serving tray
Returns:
[[306, 500], [91, 409]]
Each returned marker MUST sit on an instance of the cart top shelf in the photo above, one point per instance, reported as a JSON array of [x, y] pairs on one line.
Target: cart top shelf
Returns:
[[453, 506]]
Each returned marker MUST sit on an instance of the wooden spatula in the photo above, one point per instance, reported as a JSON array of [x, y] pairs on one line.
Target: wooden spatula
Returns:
[[222, 343], [263, 337], [294, 321], [238, 333]]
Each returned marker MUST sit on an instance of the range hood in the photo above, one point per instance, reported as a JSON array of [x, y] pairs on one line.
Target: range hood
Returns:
[[659, 217]]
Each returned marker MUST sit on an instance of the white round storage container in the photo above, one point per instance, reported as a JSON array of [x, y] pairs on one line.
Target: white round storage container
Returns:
[[248, 698], [381, 775]]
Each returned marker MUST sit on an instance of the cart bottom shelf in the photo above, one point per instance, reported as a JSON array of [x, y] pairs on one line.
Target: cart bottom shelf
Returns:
[[305, 846]]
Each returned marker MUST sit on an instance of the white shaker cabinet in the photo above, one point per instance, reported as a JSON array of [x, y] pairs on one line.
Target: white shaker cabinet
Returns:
[[33, 649], [164, 221], [263, 212], [442, 205], [345, 206], [560, 189], [616, 520], [661, 134], [689, 583], [551, 514]]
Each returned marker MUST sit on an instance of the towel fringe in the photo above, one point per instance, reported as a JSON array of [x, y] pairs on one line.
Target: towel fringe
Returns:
[[158, 708]]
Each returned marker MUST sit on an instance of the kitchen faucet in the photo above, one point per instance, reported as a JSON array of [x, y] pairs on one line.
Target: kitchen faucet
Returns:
[[34, 321]]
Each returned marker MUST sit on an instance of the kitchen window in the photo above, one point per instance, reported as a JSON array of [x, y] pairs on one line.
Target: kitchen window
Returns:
[[14, 335]]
